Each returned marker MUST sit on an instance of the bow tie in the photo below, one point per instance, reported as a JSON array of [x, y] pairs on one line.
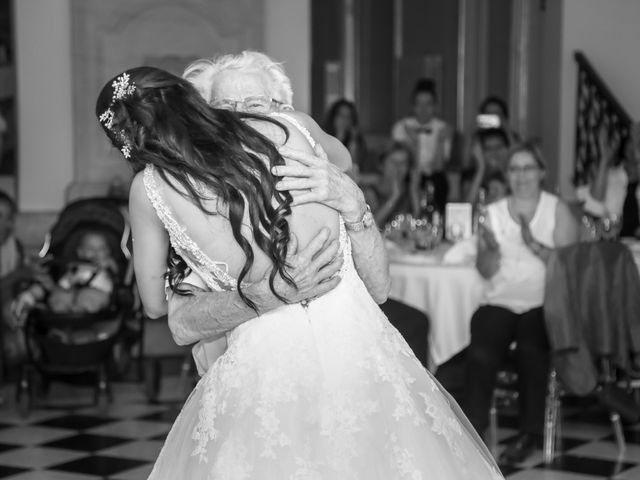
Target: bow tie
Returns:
[[422, 129]]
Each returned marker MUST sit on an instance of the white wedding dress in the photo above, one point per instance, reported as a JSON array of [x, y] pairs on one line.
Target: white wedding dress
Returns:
[[330, 391]]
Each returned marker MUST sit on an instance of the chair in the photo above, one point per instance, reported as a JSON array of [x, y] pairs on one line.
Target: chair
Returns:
[[553, 415], [506, 395], [592, 313]]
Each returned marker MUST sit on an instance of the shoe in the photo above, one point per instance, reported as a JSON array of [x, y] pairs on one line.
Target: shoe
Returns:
[[519, 449]]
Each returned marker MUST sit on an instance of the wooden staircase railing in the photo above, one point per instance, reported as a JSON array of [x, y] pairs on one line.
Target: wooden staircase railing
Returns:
[[596, 107]]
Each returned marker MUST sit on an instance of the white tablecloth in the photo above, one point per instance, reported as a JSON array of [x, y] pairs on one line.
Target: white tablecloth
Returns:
[[449, 294], [634, 246]]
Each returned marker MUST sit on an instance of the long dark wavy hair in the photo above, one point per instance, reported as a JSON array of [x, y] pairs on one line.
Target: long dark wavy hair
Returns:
[[165, 122]]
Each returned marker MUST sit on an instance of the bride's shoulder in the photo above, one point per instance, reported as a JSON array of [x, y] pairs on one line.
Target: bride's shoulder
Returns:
[[137, 188], [272, 131], [140, 202], [146, 187]]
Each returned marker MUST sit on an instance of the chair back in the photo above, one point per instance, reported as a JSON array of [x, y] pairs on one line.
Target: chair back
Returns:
[[592, 309]]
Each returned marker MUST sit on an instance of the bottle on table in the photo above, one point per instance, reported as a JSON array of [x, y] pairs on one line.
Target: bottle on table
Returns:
[[480, 213]]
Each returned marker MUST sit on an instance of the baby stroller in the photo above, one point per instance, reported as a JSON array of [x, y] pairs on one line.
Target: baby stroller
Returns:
[[53, 357]]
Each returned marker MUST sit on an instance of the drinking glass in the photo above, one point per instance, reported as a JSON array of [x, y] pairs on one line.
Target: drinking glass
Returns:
[[611, 227], [423, 236]]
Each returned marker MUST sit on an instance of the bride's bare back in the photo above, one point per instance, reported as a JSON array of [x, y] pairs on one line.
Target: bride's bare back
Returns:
[[212, 233]]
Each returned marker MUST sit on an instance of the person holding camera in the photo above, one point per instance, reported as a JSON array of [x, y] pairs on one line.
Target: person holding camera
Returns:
[[494, 113], [489, 154]]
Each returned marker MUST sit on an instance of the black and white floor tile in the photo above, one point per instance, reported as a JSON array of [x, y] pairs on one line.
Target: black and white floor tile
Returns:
[[60, 440]]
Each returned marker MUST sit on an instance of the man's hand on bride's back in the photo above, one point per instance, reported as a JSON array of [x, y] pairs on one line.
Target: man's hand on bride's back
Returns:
[[313, 269], [314, 179]]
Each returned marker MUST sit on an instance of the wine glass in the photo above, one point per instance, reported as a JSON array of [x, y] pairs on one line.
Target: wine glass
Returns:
[[611, 227], [423, 235], [590, 228], [437, 228]]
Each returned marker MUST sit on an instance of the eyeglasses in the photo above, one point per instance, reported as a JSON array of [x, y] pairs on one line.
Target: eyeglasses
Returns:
[[523, 169], [252, 104]]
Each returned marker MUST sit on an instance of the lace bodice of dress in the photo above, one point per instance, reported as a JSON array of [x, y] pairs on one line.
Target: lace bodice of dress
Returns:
[[213, 273]]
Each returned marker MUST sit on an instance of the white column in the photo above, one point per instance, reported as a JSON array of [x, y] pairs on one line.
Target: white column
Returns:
[[349, 50], [44, 101], [520, 63], [288, 40]]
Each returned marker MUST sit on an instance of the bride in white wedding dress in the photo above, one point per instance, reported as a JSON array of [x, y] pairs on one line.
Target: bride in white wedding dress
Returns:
[[325, 389]]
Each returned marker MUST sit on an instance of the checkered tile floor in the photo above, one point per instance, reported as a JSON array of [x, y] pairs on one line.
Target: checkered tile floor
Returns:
[[588, 449], [62, 440]]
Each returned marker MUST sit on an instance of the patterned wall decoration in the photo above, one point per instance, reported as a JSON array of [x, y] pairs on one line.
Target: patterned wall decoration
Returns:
[[597, 108]]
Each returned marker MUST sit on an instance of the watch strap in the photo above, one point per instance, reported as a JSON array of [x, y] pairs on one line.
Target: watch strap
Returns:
[[365, 222]]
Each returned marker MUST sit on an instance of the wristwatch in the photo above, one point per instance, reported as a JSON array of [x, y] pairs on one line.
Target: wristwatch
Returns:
[[365, 222]]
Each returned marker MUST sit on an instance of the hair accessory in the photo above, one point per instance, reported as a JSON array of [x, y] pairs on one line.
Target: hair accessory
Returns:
[[107, 118], [126, 144], [121, 89], [126, 150]]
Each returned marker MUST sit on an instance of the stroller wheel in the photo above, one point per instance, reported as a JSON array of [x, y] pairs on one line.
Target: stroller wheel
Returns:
[[102, 402], [24, 404], [102, 391], [40, 385], [152, 378], [23, 394]]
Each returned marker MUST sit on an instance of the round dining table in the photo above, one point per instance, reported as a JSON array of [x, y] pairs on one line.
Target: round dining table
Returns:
[[449, 292]]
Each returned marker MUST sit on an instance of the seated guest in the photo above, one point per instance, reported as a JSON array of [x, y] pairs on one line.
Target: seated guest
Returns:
[[514, 244], [494, 105], [388, 193], [11, 254], [489, 154], [342, 123], [631, 207], [429, 138], [12, 273], [495, 186], [603, 194], [85, 285]]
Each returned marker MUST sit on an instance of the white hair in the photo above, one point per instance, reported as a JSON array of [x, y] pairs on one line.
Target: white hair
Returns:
[[202, 74]]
